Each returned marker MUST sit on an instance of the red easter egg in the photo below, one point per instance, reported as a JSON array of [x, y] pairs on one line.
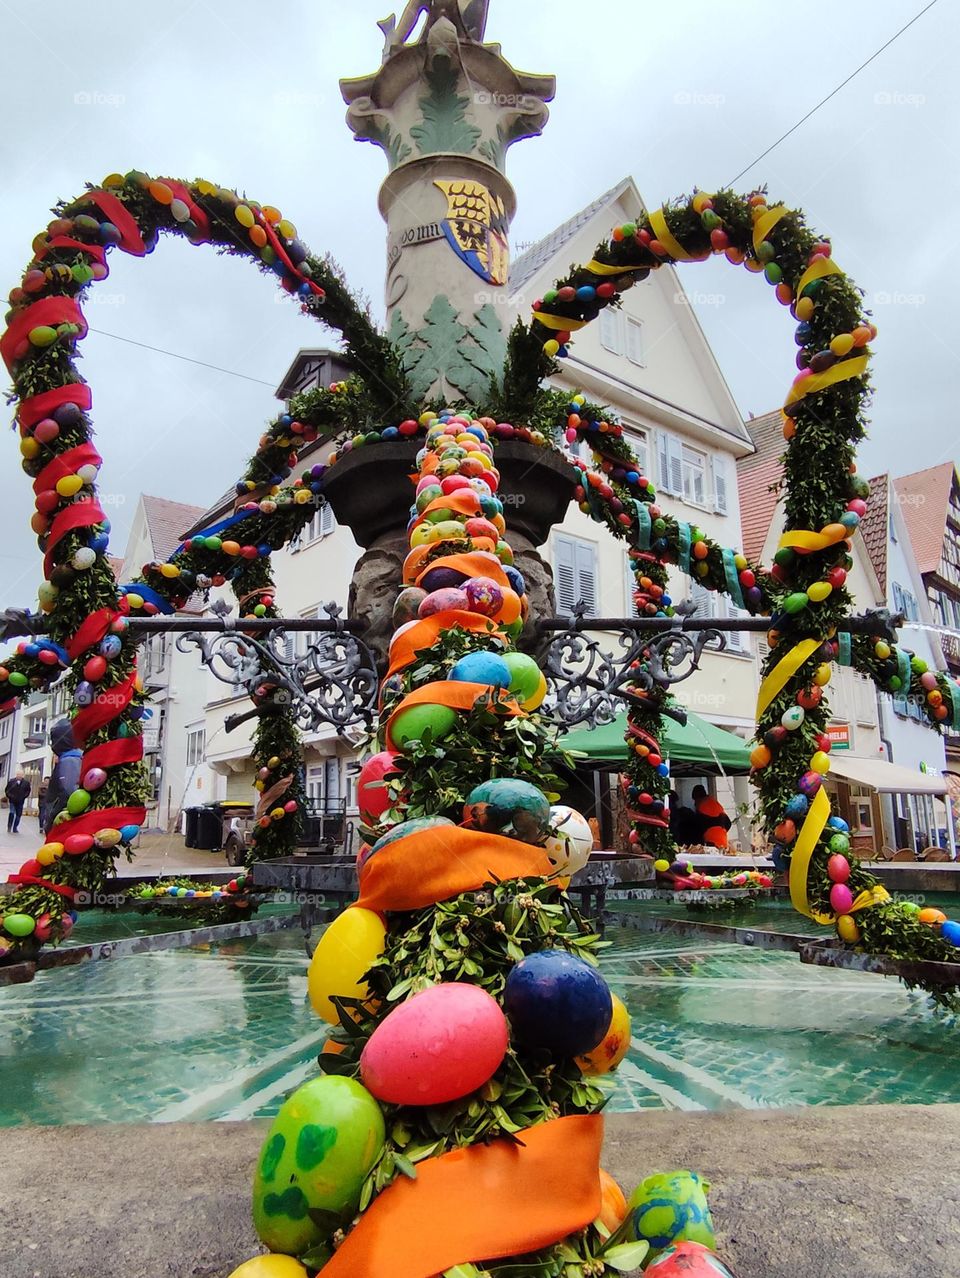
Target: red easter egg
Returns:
[[77, 844], [95, 668], [373, 799]]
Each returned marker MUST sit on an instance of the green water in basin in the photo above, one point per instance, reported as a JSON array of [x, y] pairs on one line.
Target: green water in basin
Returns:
[[223, 1031]]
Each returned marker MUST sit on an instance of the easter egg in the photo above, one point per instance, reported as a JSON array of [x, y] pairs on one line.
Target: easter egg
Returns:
[[688, 1260], [841, 898], [557, 1002], [614, 1045], [840, 843], [570, 841], [110, 646], [19, 924], [793, 717], [797, 806], [484, 596], [77, 844], [407, 605], [509, 806], [94, 778], [481, 667], [613, 1204], [270, 1267], [405, 828], [442, 601], [373, 798], [78, 802], [94, 668], [820, 762], [435, 1047], [413, 723], [838, 869], [810, 783], [343, 954], [317, 1154], [442, 578], [524, 675], [847, 929], [931, 916], [950, 931], [670, 1208]]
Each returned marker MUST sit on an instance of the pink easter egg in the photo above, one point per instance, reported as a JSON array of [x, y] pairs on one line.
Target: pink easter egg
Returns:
[[46, 431], [841, 898], [439, 1045], [442, 601], [838, 869], [450, 483], [373, 798], [94, 778]]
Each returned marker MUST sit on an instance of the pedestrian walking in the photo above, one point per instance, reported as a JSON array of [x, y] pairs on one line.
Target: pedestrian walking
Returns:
[[17, 792]]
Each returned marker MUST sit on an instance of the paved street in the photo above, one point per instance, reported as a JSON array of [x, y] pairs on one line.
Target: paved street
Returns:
[[159, 854]]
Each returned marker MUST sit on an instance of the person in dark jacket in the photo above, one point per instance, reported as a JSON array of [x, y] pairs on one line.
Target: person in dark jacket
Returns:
[[684, 822], [42, 802], [65, 777], [17, 792]]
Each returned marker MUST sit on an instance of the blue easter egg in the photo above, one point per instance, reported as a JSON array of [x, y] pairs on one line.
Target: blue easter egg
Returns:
[[129, 832], [390, 432], [797, 806], [586, 294], [481, 667], [950, 932], [110, 646], [516, 580], [838, 823], [558, 1002]]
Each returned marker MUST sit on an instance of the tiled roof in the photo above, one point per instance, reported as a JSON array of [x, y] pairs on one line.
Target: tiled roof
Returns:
[[116, 565], [538, 255], [924, 499], [874, 527], [755, 475], [167, 521]]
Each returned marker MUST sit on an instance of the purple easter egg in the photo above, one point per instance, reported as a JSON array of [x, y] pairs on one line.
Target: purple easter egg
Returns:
[[442, 579]]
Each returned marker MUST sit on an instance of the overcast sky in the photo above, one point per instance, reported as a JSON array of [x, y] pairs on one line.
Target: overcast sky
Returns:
[[677, 95]]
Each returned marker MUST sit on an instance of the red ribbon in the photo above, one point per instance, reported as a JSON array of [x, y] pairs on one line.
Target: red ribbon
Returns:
[[81, 514], [96, 251], [91, 631], [108, 705], [30, 880], [131, 241], [198, 216], [66, 463], [49, 310], [36, 407], [95, 820], [273, 240], [112, 753]]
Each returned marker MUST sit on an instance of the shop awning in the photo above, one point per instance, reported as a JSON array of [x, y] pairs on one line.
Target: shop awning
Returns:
[[884, 777], [697, 742]]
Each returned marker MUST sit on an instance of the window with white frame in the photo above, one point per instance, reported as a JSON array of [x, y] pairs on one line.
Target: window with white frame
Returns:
[[689, 472], [5, 724], [575, 574], [637, 438], [694, 475], [720, 607], [630, 585], [322, 783], [196, 745], [60, 701], [635, 341], [321, 524], [669, 463], [611, 330]]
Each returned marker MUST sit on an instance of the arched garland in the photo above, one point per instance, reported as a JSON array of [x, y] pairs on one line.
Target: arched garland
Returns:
[[805, 589], [86, 618]]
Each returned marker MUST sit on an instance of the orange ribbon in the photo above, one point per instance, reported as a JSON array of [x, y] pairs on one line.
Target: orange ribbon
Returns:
[[455, 694], [485, 1202], [463, 502], [472, 563], [423, 635], [436, 864]]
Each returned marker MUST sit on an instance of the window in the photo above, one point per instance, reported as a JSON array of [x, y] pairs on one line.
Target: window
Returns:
[[630, 584], [670, 463], [575, 574], [718, 466], [710, 603], [321, 524], [864, 699], [60, 702], [611, 330], [323, 784], [155, 655], [635, 341], [694, 475], [637, 439], [5, 723], [196, 745]]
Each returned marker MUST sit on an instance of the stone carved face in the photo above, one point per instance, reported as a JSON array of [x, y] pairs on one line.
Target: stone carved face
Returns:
[[377, 580]]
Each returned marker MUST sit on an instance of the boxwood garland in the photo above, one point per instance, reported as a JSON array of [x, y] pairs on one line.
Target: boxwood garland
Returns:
[[823, 420]]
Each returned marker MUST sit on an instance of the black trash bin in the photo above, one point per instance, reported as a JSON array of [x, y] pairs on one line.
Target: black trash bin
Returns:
[[192, 817], [209, 828]]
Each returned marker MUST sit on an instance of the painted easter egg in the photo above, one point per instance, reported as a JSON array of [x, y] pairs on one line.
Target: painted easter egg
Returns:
[[507, 805], [439, 1045], [671, 1207], [270, 1267], [442, 600], [19, 924], [613, 1204], [481, 667], [405, 828], [343, 954], [611, 1050], [688, 1260], [317, 1154], [570, 841], [413, 723], [525, 675], [484, 595], [373, 798], [407, 606], [558, 1002], [442, 578]]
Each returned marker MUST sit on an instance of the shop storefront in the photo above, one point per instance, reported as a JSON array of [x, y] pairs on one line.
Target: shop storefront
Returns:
[[889, 807]]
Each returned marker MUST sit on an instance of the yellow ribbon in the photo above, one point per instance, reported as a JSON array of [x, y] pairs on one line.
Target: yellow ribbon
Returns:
[[807, 839], [664, 235], [877, 895], [840, 372], [803, 539], [765, 224], [559, 322], [778, 678], [817, 271], [604, 268]]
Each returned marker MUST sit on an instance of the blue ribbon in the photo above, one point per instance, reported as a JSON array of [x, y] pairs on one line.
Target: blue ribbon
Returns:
[[216, 529], [148, 595], [683, 558], [845, 652], [644, 526], [733, 579], [904, 670]]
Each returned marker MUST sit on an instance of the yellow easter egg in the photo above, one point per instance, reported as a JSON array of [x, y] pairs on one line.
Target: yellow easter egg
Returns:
[[821, 676], [608, 1054], [29, 447], [847, 929], [344, 953], [819, 590], [69, 485], [820, 762], [244, 215], [270, 1267], [287, 229]]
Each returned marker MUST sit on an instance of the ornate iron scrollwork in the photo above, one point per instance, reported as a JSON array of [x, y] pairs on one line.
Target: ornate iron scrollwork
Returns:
[[589, 684], [332, 679]]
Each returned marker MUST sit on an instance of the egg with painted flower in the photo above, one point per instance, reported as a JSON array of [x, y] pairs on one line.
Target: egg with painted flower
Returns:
[[688, 1260]]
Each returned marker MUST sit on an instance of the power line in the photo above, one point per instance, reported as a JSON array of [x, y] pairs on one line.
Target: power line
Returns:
[[186, 358], [833, 93]]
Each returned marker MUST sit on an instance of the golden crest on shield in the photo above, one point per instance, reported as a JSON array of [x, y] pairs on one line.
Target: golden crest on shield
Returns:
[[476, 229]]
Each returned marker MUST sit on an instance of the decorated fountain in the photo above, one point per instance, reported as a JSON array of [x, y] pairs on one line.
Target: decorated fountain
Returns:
[[471, 1027]]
